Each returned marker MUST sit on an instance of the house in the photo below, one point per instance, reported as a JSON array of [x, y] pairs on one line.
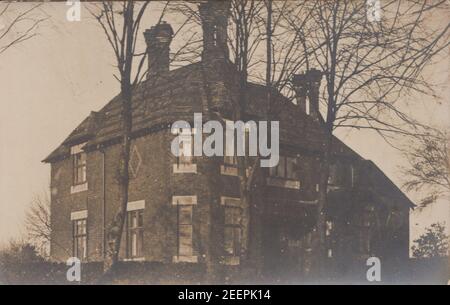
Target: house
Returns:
[[188, 209]]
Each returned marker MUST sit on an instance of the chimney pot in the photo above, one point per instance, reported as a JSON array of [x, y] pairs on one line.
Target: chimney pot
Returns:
[[301, 90], [214, 16], [313, 78], [308, 85]]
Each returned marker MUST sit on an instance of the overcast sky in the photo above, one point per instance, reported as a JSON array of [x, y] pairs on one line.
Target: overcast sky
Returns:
[[49, 84]]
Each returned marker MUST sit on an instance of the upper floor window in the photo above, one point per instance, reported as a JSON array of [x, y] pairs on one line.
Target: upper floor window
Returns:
[[186, 149], [341, 175], [286, 168], [80, 238], [185, 160], [79, 168], [79, 164]]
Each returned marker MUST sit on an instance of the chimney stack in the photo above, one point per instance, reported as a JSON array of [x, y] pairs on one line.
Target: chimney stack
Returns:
[[301, 90], [308, 85], [158, 39], [214, 16], [313, 78]]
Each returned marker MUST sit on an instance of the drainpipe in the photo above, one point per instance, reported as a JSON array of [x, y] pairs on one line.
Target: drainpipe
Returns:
[[102, 150]]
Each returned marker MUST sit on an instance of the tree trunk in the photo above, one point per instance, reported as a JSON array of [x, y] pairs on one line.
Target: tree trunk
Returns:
[[116, 228], [214, 274], [320, 243], [242, 163]]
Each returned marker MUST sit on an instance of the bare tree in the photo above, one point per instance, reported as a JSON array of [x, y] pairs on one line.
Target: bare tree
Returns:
[[18, 23], [368, 67], [38, 226], [120, 22], [37, 223], [429, 166], [251, 24]]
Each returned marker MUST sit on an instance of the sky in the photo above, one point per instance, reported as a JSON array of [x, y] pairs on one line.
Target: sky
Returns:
[[50, 83]]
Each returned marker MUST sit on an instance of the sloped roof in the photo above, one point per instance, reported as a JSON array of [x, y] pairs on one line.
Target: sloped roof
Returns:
[[176, 95], [382, 186], [173, 96]]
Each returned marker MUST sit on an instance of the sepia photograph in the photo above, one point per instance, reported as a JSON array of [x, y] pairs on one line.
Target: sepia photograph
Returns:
[[208, 146]]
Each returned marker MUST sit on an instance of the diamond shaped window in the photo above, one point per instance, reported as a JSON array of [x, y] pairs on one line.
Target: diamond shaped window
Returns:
[[135, 161]]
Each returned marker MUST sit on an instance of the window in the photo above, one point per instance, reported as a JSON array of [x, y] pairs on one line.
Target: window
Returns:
[[135, 162], [365, 223], [330, 253], [230, 161], [341, 175], [329, 228], [291, 168], [184, 162], [330, 240], [79, 168], [186, 150], [135, 233], [286, 168], [80, 238], [334, 178], [232, 238], [185, 233]]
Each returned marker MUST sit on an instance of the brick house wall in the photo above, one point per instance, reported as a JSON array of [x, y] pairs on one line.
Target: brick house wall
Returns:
[[156, 183], [282, 214]]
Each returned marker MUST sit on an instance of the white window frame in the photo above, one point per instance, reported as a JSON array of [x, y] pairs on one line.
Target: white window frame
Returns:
[[186, 168], [283, 181], [76, 217], [179, 202], [232, 202], [75, 150]]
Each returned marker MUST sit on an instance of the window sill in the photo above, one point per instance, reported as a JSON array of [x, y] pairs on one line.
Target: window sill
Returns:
[[231, 260], [79, 188], [185, 259], [135, 259], [284, 183], [228, 170], [331, 188], [185, 169], [230, 201]]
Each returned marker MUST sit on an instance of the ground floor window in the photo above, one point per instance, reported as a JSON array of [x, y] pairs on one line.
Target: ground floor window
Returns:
[[286, 168], [366, 224], [80, 238], [233, 230], [185, 232], [135, 233], [230, 161]]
